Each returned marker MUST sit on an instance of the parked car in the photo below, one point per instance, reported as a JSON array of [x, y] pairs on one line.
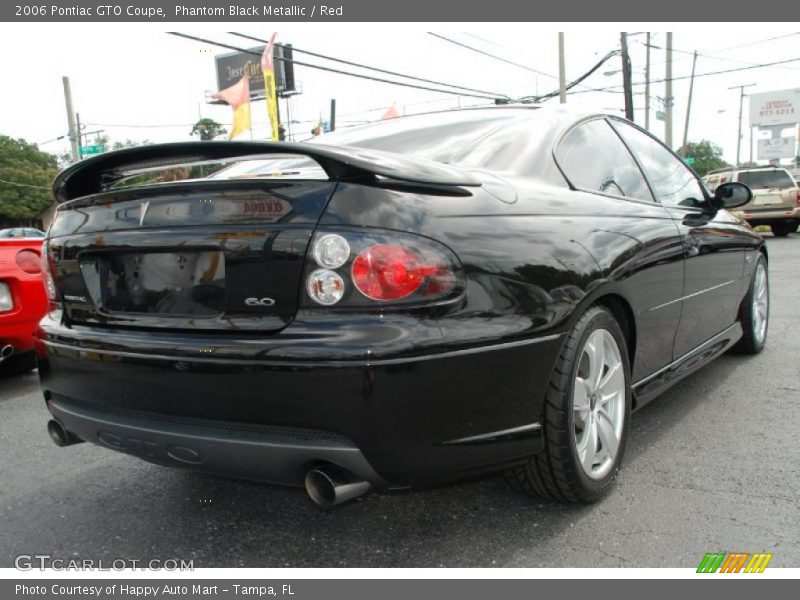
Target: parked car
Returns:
[[22, 232], [23, 302], [776, 196], [401, 304]]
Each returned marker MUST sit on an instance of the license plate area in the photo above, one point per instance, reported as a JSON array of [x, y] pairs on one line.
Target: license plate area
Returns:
[[165, 284]]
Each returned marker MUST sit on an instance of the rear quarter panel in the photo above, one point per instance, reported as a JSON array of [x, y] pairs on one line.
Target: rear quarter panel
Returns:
[[533, 262]]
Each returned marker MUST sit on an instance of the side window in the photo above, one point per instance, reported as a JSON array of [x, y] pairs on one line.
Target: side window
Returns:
[[594, 158], [673, 183]]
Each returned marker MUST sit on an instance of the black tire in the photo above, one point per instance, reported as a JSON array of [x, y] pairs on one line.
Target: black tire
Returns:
[[782, 229], [556, 473], [18, 364], [750, 343]]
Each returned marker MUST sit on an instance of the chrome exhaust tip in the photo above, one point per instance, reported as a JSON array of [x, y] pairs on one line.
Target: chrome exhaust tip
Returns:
[[6, 352], [60, 436], [330, 485]]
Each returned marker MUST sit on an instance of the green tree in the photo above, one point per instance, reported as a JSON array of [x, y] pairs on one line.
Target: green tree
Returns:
[[128, 143], [208, 129], [26, 174], [707, 156]]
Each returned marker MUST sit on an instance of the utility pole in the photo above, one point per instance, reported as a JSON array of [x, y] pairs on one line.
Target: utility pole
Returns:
[[647, 85], [333, 114], [689, 107], [739, 127], [562, 71], [73, 133], [668, 95], [626, 76]]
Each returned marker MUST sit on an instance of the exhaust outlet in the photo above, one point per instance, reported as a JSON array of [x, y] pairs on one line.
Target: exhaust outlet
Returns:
[[330, 485], [6, 352], [60, 436]]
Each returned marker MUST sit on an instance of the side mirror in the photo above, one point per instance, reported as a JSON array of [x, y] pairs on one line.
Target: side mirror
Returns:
[[732, 195]]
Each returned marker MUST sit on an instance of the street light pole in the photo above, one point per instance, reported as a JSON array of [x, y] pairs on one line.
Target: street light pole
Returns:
[[647, 85], [668, 95], [688, 107], [562, 71], [73, 133], [626, 76], [739, 127]]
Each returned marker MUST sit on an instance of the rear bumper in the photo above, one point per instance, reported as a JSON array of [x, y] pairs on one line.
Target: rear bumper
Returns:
[[396, 421], [277, 454], [30, 304], [767, 216]]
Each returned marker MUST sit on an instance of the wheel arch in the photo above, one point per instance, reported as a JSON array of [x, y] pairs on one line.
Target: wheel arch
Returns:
[[624, 315]]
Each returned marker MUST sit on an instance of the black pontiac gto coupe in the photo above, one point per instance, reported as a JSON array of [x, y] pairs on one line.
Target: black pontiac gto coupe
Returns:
[[401, 304]]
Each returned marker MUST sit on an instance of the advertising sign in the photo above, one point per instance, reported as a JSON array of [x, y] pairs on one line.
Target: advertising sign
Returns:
[[782, 147], [775, 108], [232, 66]]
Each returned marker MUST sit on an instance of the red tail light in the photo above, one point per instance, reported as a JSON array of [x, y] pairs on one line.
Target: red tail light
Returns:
[[29, 261], [47, 264], [391, 272], [367, 268], [798, 196]]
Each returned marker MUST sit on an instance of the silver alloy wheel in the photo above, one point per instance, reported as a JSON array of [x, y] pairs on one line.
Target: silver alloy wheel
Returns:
[[760, 308], [598, 404]]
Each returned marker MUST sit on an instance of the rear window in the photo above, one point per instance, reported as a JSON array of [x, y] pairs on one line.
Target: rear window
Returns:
[[506, 139], [760, 180]]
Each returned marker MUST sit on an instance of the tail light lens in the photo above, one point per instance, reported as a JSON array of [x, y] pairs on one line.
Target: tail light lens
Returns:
[[29, 261], [798, 196], [391, 272], [380, 268], [48, 269]]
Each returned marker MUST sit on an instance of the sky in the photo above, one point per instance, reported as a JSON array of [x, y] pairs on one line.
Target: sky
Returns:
[[135, 81]]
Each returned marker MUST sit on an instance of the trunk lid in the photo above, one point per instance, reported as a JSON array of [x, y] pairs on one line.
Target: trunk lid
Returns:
[[200, 255]]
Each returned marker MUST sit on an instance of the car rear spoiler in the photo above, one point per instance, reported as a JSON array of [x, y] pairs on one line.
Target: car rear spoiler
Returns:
[[100, 172]]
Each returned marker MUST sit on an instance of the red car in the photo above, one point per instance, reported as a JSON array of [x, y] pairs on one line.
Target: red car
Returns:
[[23, 302]]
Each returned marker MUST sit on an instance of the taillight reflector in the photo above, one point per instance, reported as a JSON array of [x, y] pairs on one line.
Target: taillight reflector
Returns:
[[29, 261]]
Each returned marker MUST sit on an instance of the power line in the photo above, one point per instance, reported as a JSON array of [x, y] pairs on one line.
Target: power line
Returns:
[[710, 54], [490, 55], [332, 70], [577, 81], [746, 68], [494, 56], [770, 39], [379, 70]]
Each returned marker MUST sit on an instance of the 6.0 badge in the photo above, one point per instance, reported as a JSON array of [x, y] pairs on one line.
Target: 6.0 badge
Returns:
[[259, 302]]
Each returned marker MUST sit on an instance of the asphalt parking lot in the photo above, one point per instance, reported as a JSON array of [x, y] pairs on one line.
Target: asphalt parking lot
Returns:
[[713, 465]]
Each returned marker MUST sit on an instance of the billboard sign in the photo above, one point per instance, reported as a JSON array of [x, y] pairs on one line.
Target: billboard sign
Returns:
[[775, 108], [776, 147], [232, 66]]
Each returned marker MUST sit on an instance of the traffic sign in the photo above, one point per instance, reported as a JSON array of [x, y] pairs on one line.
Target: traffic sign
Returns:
[[660, 115], [689, 160], [89, 150]]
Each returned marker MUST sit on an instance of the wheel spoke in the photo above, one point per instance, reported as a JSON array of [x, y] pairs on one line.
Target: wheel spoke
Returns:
[[611, 384], [588, 449], [595, 349], [580, 397], [606, 433]]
